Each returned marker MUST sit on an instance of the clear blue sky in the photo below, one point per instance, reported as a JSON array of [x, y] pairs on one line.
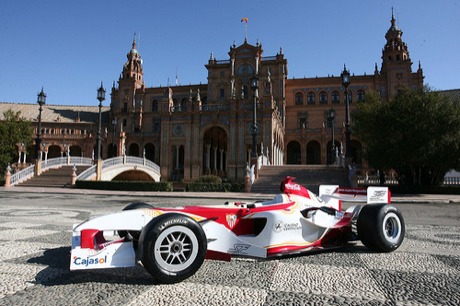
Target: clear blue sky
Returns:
[[69, 47]]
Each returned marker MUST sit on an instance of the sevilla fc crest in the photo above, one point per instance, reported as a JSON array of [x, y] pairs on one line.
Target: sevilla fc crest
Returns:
[[231, 220]]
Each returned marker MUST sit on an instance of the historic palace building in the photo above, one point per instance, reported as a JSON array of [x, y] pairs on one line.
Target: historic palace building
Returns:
[[194, 130]]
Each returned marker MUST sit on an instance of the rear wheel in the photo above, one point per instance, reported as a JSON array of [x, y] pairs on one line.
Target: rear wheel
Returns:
[[173, 247], [381, 227]]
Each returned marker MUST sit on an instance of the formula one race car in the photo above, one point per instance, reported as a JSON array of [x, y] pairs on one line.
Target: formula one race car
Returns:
[[172, 243]]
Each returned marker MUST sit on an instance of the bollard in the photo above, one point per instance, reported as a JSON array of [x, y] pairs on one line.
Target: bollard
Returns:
[[73, 179], [247, 180], [8, 176]]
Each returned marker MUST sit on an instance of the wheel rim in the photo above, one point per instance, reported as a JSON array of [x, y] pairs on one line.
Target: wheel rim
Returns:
[[176, 248], [392, 227]]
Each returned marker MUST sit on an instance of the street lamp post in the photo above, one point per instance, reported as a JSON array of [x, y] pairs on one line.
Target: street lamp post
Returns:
[[345, 82], [114, 127], [255, 87], [331, 119], [100, 97], [41, 100]]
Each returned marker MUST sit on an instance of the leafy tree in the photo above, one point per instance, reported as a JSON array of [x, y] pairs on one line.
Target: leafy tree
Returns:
[[14, 129], [417, 134]]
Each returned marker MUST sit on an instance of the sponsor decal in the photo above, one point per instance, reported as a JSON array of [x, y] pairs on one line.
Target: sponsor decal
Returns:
[[389, 209], [378, 195], [79, 261], [231, 220], [292, 186], [280, 226], [172, 221], [239, 248]]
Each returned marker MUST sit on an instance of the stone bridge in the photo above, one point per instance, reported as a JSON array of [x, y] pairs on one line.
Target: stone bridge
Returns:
[[135, 167], [116, 166]]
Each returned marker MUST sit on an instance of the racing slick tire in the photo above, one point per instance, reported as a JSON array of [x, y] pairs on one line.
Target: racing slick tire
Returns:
[[172, 247], [133, 235], [381, 227]]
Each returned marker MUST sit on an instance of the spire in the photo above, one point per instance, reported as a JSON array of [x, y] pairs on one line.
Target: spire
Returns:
[[393, 20], [394, 32], [420, 70], [133, 66], [134, 42], [395, 50]]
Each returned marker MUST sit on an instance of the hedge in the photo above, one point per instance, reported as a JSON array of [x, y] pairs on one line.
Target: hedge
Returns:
[[214, 187], [125, 185]]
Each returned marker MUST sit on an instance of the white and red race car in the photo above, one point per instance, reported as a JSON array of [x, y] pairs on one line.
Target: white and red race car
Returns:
[[172, 243]]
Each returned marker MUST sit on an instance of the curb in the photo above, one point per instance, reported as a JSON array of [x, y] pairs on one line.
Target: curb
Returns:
[[400, 199]]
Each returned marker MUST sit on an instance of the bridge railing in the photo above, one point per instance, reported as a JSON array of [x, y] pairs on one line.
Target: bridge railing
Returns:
[[22, 175], [57, 162], [120, 160], [61, 161], [112, 162], [87, 173]]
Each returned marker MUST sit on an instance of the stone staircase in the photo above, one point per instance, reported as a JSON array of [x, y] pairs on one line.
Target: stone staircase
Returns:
[[56, 177], [309, 176]]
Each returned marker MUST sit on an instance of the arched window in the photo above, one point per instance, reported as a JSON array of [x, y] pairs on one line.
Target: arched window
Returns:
[[311, 98], [245, 69], [299, 98], [323, 97], [335, 97], [360, 95], [155, 106], [302, 120]]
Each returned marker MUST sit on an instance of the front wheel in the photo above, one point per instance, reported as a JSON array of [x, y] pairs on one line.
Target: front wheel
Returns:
[[381, 227], [173, 247]]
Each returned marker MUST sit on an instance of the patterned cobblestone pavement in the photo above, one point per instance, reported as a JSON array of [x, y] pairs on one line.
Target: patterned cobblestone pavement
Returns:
[[34, 270]]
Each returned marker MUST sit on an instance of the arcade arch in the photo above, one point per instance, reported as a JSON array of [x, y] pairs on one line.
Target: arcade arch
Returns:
[[313, 153], [215, 151], [294, 153]]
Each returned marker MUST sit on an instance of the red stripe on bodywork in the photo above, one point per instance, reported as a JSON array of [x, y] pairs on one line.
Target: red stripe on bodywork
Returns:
[[91, 238]]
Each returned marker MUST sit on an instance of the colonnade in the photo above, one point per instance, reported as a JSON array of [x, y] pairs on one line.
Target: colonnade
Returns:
[[215, 151]]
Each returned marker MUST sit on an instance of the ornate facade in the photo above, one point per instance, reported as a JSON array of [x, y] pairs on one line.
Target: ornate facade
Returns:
[[195, 130], [202, 129]]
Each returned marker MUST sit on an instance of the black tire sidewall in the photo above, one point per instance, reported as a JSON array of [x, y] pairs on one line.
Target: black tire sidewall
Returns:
[[150, 234], [371, 227], [382, 242]]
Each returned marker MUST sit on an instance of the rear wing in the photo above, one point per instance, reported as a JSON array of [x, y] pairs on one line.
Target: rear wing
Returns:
[[333, 195]]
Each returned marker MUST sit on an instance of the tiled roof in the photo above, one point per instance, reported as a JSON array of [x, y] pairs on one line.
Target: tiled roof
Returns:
[[453, 94], [57, 113]]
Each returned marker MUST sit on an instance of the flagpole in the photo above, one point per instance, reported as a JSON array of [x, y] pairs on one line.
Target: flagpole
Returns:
[[246, 31], [245, 20]]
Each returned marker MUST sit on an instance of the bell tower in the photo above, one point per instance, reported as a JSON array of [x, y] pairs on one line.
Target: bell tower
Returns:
[[132, 69], [396, 62], [130, 95]]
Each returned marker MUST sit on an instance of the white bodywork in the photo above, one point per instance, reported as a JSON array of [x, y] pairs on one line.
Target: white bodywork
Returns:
[[283, 228]]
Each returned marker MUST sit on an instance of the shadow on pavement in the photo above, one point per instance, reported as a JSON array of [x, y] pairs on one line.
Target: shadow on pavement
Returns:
[[57, 272]]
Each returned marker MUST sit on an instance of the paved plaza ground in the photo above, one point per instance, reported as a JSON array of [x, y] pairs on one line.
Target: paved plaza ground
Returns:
[[35, 235]]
